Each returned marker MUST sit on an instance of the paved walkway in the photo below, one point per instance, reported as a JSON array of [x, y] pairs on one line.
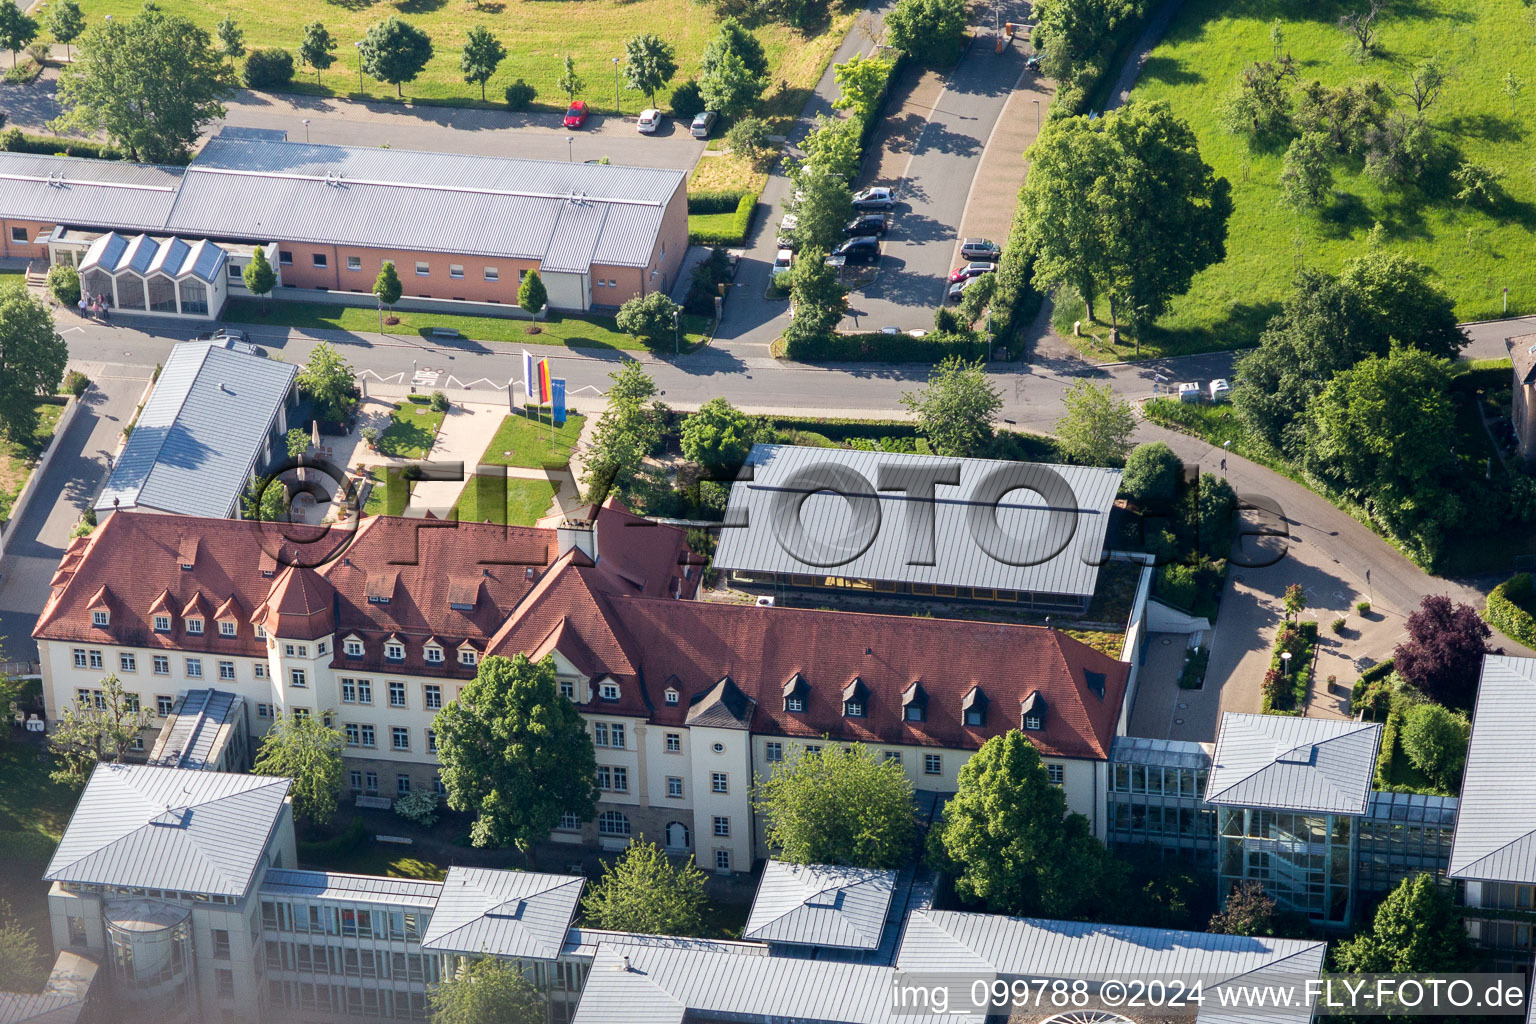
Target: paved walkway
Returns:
[[70, 484]]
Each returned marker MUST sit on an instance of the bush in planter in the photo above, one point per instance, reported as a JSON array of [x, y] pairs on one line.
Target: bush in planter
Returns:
[[519, 95], [1338, 625], [268, 68], [1362, 607], [76, 382], [370, 435], [64, 283], [419, 807], [439, 402]]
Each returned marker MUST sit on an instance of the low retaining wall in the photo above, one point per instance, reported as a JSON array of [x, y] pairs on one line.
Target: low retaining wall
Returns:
[[462, 307], [27, 489]]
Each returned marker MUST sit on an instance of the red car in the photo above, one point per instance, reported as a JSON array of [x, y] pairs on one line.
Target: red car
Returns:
[[577, 115], [971, 270]]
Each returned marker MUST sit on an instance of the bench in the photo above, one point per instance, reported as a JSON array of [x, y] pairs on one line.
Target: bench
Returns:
[[446, 332], [377, 803], [402, 840]]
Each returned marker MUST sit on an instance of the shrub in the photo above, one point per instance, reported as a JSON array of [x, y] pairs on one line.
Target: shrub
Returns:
[[419, 807], [714, 202], [1435, 740], [1337, 625], [12, 140], [1192, 675], [268, 68], [76, 383], [1176, 585], [1362, 607], [707, 277], [64, 283], [749, 137], [1015, 302], [1509, 609], [736, 233], [439, 402], [520, 95], [874, 347], [687, 100]]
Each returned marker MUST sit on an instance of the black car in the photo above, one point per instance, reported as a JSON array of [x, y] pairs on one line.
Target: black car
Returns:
[[868, 224], [864, 249]]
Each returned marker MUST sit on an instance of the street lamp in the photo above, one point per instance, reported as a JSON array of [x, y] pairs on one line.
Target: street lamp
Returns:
[[306, 130], [615, 87], [677, 333], [1037, 116], [570, 152], [1285, 663], [359, 45]]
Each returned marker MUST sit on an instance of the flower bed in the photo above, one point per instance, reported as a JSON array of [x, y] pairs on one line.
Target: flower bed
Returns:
[[1286, 694]]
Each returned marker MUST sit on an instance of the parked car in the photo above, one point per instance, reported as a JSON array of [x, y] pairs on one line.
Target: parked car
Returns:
[[971, 270], [980, 249], [233, 339], [703, 124], [786, 235], [649, 121], [957, 289], [864, 249], [1220, 390], [782, 263], [866, 224], [877, 198], [1189, 392], [576, 115]]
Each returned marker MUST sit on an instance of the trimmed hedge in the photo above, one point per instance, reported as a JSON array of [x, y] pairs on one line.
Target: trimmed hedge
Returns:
[[14, 140], [1015, 302], [1508, 609], [715, 202], [1389, 730], [741, 223], [874, 347], [1380, 670], [874, 120]]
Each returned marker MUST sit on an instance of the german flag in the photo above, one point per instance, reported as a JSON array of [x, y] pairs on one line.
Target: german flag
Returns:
[[546, 390]]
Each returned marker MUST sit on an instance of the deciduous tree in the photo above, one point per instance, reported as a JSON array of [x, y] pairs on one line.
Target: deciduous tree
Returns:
[[17, 28], [833, 145], [1152, 474], [21, 966], [1435, 740], [65, 23], [531, 294], [818, 298], [258, 275], [515, 753], [1416, 929], [306, 749], [649, 64], [838, 805], [651, 318], [861, 83], [1010, 843], [1443, 654], [486, 990], [387, 287], [956, 409], [718, 436], [733, 37], [643, 892], [628, 431], [32, 358], [1403, 303], [823, 205], [96, 729], [1306, 177], [1260, 106], [151, 83], [318, 48], [1097, 427], [329, 380], [929, 31], [730, 87], [1249, 910], [570, 82], [231, 37], [1060, 206], [482, 55], [395, 51]]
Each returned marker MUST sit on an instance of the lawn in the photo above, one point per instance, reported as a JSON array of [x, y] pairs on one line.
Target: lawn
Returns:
[[413, 426], [523, 502], [1474, 253], [556, 329], [390, 494], [33, 813], [526, 441], [726, 173], [538, 36], [18, 457]]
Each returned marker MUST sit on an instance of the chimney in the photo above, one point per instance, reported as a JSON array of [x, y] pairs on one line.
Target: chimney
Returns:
[[626, 962], [577, 534]]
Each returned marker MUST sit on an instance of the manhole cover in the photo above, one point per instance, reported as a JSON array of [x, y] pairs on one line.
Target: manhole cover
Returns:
[[1178, 721], [1238, 578], [421, 412], [1167, 642], [1183, 706]]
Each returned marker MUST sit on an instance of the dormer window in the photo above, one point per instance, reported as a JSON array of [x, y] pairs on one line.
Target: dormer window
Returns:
[[1032, 712], [672, 696], [433, 654], [973, 709], [261, 631], [466, 657], [227, 627], [99, 617], [797, 693], [568, 689], [609, 690], [394, 651], [914, 704], [162, 623], [855, 699], [352, 647], [195, 626], [1095, 681]]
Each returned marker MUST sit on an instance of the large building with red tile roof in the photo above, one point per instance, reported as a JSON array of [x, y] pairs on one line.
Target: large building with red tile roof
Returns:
[[687, 701]]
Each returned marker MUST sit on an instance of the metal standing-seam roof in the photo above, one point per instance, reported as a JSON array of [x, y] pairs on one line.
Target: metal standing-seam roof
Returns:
[[86, 192], [199, 435], [937, 941], [820, 905], [1296, 764], [345, 888], [433, 202], [503, 913], [1053, 520], [1496, 823], [144, 826], [199, 723], [1162, 753], [647, 985]]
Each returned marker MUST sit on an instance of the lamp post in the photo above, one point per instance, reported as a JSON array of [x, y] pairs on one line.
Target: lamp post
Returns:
[[306, 130], [359, 45], [677, 333], [1226, 447], [615, 87], [1285, 664], [570, 151], [1037, 116]]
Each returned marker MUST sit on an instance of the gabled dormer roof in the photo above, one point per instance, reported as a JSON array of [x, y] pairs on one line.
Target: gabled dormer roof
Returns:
[[162, 605], [101, 599], [228, 609], [722, 706]]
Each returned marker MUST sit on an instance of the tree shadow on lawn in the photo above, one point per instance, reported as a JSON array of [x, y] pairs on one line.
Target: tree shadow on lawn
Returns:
[[1170, 71], [353, 5], [1239, 327], [1344, 215], [1488, 127]]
